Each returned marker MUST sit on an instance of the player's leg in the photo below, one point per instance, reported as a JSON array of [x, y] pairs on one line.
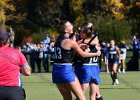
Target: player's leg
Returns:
[[93, 91], [115, 73], [84, 87], [65, 91], [76, 89]]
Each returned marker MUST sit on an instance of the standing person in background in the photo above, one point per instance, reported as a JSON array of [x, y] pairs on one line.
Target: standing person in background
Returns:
[[135, 44], [12, 61], [12, 37], [24, 50], [46, 58], [39, 56], [46, 42], [113, 60], [33, 54], [105, 59], [63, 75], [123, 52], [51, 50]]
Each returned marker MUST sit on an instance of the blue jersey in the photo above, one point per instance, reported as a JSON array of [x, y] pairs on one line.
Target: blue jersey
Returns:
[[62, 55], [88, 70], [112, 55], [94, 59], [62, 68]]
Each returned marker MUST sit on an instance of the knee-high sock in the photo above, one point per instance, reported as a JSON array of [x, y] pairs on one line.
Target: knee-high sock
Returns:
[[115, 75], [113, 78]]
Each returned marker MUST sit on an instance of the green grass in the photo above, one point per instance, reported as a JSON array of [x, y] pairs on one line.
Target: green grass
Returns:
[[39, 86]]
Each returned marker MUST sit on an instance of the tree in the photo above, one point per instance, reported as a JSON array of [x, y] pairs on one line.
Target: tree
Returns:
[[133, 13], [12, 11], [115, 8], [42, 13], [4, 5], [77, 11]]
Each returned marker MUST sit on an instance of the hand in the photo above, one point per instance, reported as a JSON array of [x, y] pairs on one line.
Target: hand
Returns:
[[87, 50], [98, 53]]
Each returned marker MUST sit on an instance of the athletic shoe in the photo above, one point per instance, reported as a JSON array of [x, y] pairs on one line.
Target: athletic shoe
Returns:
[[100, 98], [113, 83], [107, 72], [123, 71], [116, 81], [119, 70]]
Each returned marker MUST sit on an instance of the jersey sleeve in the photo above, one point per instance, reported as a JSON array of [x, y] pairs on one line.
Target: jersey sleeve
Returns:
[[23, 60]]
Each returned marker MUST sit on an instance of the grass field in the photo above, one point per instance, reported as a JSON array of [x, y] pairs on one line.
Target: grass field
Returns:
[[40, 87]]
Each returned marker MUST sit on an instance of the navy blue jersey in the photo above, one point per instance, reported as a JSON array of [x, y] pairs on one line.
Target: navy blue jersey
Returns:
[[62, 55], [94, 59], [77, 57], [112, 54]]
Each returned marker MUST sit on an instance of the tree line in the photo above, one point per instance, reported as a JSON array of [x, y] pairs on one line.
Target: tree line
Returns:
[[116, 19]]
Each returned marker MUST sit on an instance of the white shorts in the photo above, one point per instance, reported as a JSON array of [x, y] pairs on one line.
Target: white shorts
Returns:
[[122, 56]]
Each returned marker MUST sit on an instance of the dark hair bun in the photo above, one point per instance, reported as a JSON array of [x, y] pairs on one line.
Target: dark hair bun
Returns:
[[4, 35]]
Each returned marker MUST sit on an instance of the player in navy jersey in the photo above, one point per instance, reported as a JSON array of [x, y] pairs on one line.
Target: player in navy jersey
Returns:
[[63, 75], [113, 60], [87, 68]]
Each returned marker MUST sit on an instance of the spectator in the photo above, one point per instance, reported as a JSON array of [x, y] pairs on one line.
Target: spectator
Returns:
[[51, 50], [46, 41], [38, 56], [46, 58], [34, 56], [12, 62], [135, 44], [24, 50], [41, 51], [123, 52]]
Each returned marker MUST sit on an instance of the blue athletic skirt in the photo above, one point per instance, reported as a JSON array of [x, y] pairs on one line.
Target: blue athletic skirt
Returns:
[[63, 73], [113, 62], [88, 73]]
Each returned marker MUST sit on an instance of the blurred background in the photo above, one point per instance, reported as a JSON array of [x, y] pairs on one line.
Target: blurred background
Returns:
[[118, 19]]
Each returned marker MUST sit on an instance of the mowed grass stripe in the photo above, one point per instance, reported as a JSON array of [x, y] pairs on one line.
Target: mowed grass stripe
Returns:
[[39, 86]]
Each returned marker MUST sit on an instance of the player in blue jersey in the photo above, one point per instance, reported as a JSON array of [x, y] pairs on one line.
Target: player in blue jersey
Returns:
[[63, 75], [113, 60], [87, 68]]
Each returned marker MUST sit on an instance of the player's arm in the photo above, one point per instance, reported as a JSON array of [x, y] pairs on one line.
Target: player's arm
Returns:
[[26, 70], [105, 55], [76, 47], [24, 66], [118, 52]]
